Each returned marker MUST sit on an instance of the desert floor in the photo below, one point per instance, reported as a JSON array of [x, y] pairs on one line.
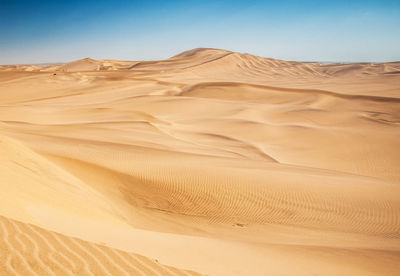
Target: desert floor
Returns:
[[210, 162]]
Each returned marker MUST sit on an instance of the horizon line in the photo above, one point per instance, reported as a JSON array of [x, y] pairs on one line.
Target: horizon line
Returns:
[[198, 48]]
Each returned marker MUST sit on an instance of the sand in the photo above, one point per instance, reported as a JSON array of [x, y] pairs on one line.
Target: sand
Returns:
[[210, 162]]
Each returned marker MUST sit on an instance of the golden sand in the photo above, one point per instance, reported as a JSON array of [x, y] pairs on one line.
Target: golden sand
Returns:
[[211, 161]]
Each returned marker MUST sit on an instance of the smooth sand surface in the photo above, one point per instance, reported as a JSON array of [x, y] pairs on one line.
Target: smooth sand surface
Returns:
[[210, 162]]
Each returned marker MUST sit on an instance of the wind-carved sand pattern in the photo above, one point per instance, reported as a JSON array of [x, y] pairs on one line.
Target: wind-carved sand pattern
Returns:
[[29, 250], [211, 161]]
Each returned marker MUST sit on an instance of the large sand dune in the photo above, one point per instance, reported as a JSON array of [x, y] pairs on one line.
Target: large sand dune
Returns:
[[211, 161]]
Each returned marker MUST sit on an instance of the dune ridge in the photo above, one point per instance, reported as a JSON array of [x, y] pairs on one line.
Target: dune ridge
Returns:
[[210, 161]]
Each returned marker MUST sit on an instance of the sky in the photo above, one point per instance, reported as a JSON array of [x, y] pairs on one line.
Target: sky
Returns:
[[40, 31]]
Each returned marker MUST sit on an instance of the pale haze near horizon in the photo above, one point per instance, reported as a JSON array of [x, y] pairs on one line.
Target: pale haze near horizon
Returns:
[[51, 31]]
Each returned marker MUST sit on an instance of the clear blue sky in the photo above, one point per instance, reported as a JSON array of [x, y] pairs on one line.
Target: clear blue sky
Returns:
[[341, 30]]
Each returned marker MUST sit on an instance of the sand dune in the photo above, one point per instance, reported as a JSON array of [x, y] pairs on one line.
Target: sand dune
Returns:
[[211, 161]]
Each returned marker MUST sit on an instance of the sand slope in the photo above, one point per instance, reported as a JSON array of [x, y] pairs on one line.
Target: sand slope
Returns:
[[27, 249], [211, 161]]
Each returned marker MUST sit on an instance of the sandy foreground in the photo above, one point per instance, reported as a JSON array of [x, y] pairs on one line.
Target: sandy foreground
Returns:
[[210, 162]]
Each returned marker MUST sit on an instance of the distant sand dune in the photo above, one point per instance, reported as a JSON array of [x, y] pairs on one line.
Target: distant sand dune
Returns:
[[267, 92]]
